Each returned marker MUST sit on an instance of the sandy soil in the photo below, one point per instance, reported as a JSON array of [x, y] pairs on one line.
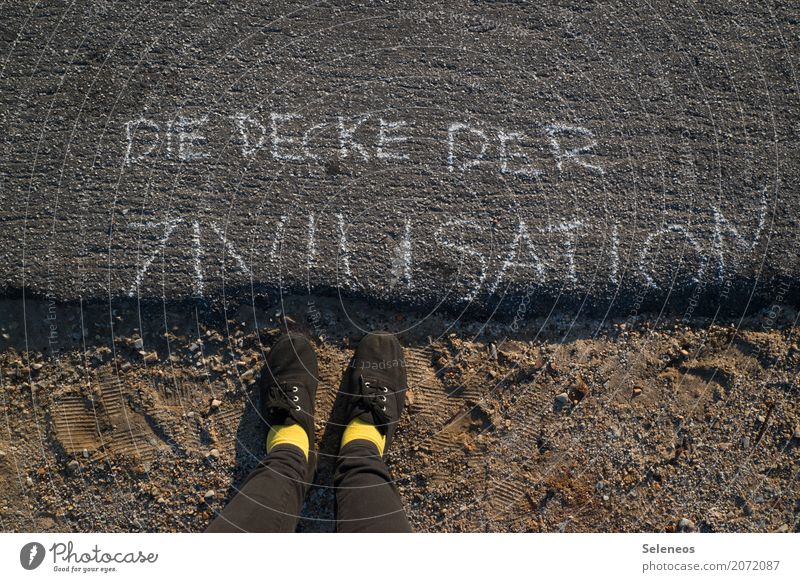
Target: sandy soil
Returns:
[[144, 421]]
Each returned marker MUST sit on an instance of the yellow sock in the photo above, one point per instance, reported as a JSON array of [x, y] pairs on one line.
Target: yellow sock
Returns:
[[292, 434], [357, 429]]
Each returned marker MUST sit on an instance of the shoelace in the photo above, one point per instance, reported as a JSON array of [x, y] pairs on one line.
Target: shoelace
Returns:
[[373, 399], [283, 397]]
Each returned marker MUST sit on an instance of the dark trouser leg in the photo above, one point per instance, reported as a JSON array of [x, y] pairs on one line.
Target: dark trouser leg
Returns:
[[366, 498], [270, 498]]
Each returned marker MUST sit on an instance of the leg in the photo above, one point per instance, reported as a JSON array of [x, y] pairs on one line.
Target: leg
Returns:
[[375, 394], [366, 497], [270, 498]]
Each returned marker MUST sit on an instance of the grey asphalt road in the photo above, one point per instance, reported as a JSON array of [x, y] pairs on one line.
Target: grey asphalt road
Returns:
[[462, 155]]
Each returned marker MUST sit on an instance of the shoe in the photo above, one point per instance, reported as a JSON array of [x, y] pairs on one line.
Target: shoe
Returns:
[[289, 385], [376, 389]]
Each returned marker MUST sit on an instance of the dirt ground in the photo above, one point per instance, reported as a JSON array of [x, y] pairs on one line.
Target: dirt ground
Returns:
[[141, 418]]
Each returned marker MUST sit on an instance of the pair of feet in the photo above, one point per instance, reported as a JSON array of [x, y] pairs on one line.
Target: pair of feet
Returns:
[[373, 391]]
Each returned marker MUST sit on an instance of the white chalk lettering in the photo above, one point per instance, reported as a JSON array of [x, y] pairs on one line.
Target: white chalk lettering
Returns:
[[169, 226], [721, 223], [405, 248], [385, 138], [514, 255], [344, 251], [197, 255], [142, 131], [231, 250], [311, 251], [278, 142], [564, 156], [362, 137], [614, 277], [189, 138], [454, 129], [246, 124], [347, 139], [568, 229], [507, 156], [306, 137], [277, 242], [464, 250], [672, 228]]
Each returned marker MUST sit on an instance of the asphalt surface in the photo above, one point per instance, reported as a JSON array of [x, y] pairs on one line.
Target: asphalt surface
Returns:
[[464, 155]]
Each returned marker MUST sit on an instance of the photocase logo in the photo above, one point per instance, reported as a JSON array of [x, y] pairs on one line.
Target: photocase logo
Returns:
[[31, 555]]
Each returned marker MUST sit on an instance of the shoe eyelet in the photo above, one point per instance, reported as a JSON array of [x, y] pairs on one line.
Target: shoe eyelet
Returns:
[[297, 408], [294, 388], [383, 398], [385, 389], [296, 398], [383, 409]]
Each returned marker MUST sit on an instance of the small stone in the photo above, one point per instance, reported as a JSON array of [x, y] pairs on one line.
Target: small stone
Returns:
[[29, 481], [637, 391], [73, 466], [686, 525], [215, 404], [213, 454], [138, 344], [761, 419], [606, 497], [782, 529], [194, 347], [248, 375], [85, 453], [2, 455], [561, 399], [209, 495], [151, 358], [796, 433], [578, 390], [161, 500], [37, 366], [685, 353], [745, 442], [493, 351]]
